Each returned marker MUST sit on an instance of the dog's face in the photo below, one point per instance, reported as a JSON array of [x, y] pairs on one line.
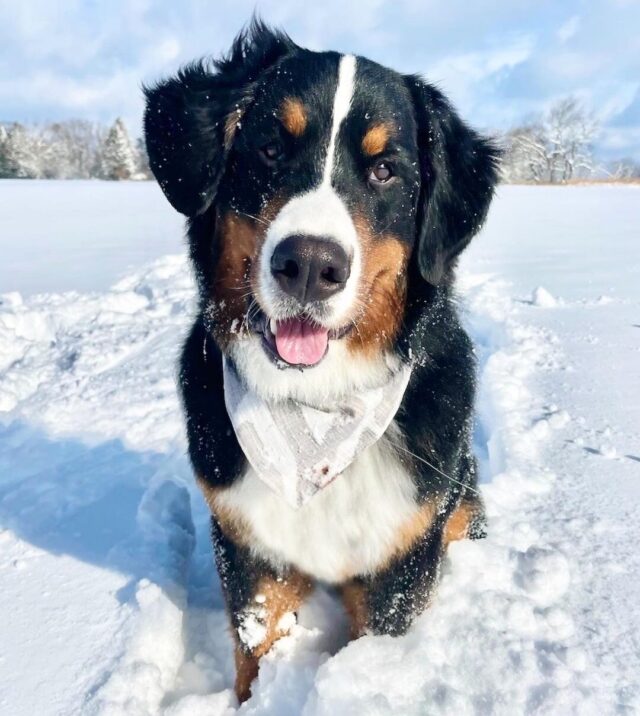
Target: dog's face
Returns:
[[319, 184], [323, 173]]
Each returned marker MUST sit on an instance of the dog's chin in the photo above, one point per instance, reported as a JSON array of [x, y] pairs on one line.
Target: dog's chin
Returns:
[[338, 374], [297, 341]]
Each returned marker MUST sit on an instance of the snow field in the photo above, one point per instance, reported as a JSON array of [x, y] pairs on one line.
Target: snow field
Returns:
[[106, 567]]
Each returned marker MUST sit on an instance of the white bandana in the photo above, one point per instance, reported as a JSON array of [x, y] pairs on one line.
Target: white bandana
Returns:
[[298, 449]]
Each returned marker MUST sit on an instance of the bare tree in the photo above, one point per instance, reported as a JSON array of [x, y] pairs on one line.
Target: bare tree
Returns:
[[75, 148], [556, 148], [570, 131], [622, 169], [526, 157]]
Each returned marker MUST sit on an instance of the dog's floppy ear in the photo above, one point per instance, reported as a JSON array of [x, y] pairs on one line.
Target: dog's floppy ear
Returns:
[[459, 171], [190, 119]]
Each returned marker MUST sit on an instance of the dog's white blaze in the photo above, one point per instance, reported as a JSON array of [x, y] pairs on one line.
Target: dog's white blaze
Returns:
[[341, 106], [349, 528], [319, 212]]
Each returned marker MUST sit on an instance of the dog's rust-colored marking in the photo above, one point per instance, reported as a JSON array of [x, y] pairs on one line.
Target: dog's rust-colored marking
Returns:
[[293, 114], [382, 291], [273, 598], [246, 672], [354, 598], [238, 241], [459, 522], [376, 138]]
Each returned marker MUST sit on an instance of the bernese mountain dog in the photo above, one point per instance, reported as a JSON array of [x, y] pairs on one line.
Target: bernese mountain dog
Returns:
[[327, 199]]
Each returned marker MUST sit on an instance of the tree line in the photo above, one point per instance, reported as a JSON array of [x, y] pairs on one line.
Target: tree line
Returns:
[[556, 147], [71, 149]]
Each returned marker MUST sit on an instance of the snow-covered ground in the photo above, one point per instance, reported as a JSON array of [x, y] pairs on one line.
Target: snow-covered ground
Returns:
[[81, 235], [108, 596]]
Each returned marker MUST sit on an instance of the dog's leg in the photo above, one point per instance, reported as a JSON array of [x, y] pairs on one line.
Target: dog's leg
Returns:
[[261, 603], [265, 618], [387, 602]]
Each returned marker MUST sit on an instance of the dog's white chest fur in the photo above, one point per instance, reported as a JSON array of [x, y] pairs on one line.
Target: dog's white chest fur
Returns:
[[348, 528]]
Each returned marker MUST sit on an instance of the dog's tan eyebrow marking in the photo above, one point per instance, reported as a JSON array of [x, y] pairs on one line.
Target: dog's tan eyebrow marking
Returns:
[[293, 115], [376, 138]]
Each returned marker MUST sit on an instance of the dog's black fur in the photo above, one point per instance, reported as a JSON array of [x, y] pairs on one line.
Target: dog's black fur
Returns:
[[447, 176]]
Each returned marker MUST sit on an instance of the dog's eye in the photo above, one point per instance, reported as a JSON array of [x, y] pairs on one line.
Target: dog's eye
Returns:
[[381, 173], [271, 152]]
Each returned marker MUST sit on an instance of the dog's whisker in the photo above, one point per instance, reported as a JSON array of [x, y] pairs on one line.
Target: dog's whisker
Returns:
[[251, 216], [245, 283], [382, 231], [437, 469], [245, 324]]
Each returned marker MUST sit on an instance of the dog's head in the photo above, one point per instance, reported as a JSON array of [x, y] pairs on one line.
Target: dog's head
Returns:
[[318, 186]]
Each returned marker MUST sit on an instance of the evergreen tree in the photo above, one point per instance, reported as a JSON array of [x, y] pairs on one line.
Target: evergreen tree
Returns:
[[117, 160], [21, 152], [5, 165]]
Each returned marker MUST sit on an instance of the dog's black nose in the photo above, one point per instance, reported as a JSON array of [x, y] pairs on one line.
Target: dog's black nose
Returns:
[[310, 268]]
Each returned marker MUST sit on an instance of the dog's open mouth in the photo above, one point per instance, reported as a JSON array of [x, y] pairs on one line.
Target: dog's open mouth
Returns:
[[299, 341]]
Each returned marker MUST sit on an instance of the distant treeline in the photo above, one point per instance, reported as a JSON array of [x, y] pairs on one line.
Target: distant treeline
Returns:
[[72, 149], [554, 148]]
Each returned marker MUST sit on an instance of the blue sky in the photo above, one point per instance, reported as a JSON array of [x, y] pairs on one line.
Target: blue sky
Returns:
[[499, 60]]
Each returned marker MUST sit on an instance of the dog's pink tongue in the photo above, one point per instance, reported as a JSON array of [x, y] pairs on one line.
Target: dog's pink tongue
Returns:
[[301, 343]]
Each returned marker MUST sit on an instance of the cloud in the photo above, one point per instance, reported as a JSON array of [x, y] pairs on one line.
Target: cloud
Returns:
[[462, 74], [499, 60], [615, 142], [629, 114], [566, 31]]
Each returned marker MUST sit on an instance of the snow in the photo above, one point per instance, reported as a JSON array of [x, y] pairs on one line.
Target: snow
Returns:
[[109, 595], [81, 235], [541, 297]]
